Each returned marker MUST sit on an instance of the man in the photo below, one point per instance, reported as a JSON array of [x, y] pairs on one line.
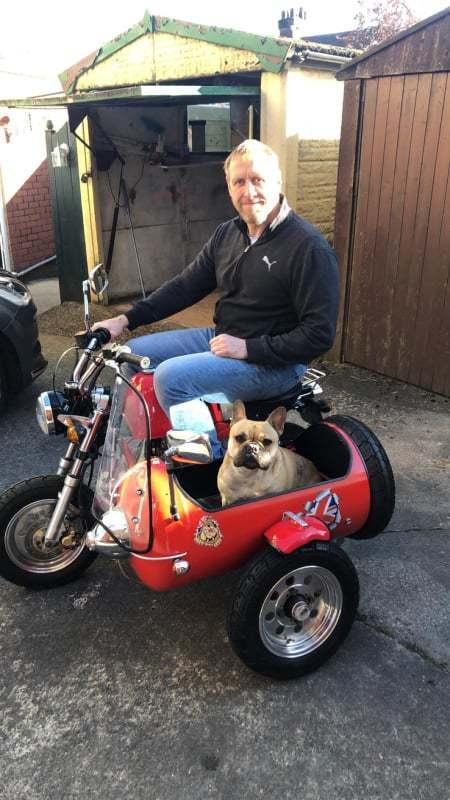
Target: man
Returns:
[[278, 281]]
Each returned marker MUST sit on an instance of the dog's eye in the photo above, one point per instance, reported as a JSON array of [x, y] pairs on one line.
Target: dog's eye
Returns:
[[267, 442], [240, 438]]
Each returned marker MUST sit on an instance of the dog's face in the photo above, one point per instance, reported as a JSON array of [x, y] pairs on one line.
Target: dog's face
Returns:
[[253, 444]]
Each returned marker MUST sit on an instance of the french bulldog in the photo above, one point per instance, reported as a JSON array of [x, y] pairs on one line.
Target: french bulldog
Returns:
[[255, 464]]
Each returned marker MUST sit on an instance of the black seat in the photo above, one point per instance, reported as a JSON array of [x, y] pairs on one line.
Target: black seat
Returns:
[[260, 409]]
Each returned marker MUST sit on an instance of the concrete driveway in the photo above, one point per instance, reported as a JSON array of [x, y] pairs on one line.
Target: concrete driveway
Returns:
[[110, 691]]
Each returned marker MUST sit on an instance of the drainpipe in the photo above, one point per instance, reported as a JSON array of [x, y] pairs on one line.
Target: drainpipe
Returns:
[[35, 266], [4, 231]]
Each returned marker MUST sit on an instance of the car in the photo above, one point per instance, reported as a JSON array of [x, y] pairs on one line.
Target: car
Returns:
[[21, 357]]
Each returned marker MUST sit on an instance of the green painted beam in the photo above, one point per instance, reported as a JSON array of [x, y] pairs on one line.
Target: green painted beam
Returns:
[[272, 52], [121, 41], [160, 92]]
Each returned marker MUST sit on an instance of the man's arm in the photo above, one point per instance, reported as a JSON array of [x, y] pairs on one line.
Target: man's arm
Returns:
[[315, 296], [196, 281]]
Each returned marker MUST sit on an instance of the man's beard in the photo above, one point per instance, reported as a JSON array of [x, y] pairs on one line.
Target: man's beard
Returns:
[[255, 215]]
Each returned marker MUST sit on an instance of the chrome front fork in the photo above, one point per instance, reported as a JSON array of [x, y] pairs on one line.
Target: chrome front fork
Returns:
[[72, 468], [66, 461]]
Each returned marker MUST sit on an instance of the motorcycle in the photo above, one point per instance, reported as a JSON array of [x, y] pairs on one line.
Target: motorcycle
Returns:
[[155, 507]]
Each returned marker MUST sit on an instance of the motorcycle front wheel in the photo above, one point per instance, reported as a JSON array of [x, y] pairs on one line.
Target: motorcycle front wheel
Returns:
[[25, 511], [290, 613]]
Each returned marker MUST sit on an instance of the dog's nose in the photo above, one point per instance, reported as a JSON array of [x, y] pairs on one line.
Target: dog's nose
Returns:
[[251, 448]]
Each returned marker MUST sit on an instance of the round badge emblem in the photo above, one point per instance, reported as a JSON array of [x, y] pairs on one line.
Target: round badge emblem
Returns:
[[208, 533]]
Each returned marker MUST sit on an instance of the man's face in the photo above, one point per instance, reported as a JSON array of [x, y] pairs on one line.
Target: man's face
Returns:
[[254, 186]]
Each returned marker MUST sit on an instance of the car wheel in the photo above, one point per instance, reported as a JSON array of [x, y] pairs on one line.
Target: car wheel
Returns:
[[25, 511], [290, 613], [3, 388]]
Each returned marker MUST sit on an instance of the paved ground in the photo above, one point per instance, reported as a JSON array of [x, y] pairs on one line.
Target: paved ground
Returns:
[[110, 691], [45, 292]]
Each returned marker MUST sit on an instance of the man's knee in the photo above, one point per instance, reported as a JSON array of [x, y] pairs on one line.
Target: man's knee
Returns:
[[168, 382]]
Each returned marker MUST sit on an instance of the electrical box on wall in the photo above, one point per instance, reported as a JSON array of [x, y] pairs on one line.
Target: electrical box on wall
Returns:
[[60, 155]]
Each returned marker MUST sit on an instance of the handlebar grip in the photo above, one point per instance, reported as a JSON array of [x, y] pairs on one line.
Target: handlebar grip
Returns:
[[102, 335], [141, 362], [93, 340]]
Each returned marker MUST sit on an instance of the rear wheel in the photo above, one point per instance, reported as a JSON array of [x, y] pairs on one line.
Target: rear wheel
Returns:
[[291, 613], [25, 511]]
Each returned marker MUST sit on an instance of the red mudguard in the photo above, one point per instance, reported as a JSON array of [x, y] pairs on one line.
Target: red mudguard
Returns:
[[296, 530]]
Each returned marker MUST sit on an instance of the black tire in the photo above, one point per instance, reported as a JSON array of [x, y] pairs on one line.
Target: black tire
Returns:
[[3, 387], [379, 473], [24, 511], [290, 613]]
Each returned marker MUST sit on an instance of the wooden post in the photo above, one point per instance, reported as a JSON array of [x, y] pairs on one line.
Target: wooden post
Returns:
[[346, 194]]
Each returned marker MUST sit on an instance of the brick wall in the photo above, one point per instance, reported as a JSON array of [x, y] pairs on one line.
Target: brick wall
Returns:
[[317, 180], [30, 220]]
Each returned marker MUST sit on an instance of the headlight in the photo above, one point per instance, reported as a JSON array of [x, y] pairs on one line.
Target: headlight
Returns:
[[48, 406], [13, 290]]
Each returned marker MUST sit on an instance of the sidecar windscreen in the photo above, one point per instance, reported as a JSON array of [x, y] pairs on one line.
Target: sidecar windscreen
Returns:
[[320, 443]]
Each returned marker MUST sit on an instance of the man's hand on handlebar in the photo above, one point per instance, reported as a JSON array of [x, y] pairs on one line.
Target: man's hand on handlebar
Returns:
[[115, 325], [226, 346]]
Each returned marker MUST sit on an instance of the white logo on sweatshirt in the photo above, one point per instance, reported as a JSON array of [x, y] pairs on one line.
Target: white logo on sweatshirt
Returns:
[[269, 263]]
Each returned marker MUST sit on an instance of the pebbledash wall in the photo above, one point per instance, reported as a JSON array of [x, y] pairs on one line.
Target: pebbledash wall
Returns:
[[26, 191]]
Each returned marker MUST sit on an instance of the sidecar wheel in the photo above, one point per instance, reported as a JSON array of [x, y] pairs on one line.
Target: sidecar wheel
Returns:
[[25, 511], [291, 613], [379, 475]]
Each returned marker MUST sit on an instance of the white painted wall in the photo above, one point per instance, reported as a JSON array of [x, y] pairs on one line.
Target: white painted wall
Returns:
[[298, 106], [314, 101]]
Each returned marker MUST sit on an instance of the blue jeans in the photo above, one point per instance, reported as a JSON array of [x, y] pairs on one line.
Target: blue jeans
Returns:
[[186, 370]]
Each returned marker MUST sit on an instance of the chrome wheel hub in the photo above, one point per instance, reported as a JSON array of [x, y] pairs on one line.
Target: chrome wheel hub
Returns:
[[301, 611]]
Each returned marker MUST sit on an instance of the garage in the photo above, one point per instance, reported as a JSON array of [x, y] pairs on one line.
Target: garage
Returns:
[[393, 207]]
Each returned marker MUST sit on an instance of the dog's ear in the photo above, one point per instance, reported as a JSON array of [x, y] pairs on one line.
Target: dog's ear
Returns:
[[238, 411], [277, 419]]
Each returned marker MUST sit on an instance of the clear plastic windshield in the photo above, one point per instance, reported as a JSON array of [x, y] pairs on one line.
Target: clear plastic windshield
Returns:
[[122, 479]]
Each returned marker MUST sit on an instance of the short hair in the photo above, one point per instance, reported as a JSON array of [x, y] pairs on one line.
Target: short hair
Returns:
[[249, 148]]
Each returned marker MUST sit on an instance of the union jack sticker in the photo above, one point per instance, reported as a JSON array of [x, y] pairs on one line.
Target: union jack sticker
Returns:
[[325, 506]]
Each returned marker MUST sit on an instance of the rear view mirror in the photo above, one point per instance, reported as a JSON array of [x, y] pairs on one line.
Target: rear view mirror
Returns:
[[98, 280]]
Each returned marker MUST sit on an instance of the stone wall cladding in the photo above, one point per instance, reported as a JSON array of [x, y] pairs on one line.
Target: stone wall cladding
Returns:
[[30, 221], [317, 180]]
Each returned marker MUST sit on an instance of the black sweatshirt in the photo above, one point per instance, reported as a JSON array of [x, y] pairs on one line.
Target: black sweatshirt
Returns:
[[280, 294]]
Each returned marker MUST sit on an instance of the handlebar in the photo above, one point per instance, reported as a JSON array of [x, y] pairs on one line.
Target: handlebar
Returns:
[[141, 362], [92, 341]]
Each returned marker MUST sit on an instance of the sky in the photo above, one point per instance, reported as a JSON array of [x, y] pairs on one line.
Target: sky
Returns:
[[48, 37]]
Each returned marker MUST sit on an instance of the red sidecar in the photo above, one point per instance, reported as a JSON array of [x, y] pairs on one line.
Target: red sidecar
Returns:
[[298, 595]]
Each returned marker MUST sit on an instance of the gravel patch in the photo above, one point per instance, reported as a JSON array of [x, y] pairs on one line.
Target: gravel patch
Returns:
[[68, 318]]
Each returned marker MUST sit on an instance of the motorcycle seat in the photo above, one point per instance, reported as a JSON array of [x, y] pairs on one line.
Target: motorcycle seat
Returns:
[[260, 409]]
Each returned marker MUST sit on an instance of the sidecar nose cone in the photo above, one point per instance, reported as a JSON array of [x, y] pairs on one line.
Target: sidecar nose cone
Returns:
[[100, 540]]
